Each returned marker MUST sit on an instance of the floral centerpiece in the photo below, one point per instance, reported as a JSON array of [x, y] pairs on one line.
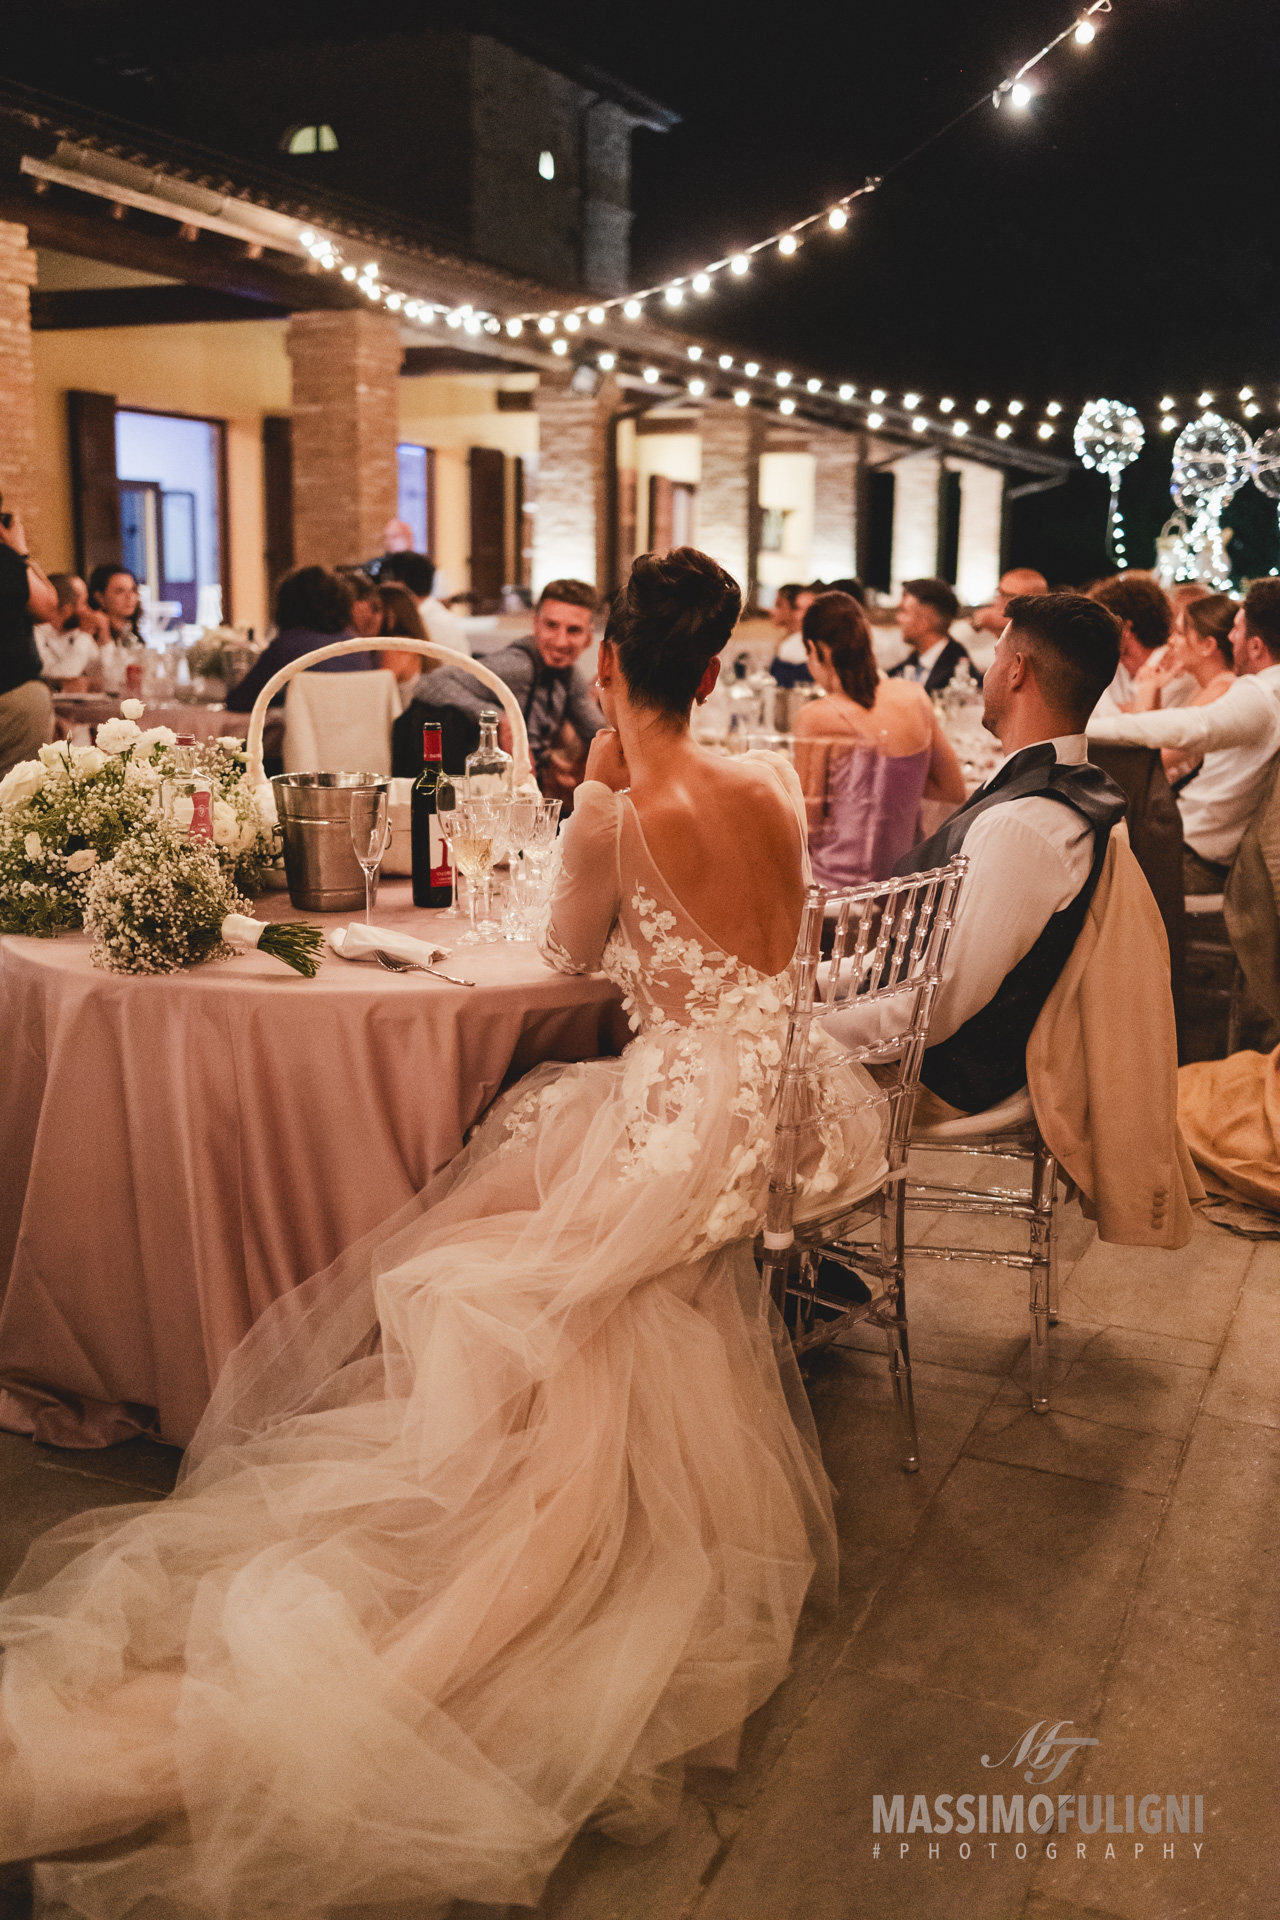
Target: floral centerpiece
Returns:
[[163, 902], [63, 814]]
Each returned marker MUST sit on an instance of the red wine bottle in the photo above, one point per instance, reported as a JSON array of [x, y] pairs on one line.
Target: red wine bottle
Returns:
[[432, 873]]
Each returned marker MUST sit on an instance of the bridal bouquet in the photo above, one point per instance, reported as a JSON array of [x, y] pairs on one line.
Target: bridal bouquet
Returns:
[[163, 902], [63, 814]]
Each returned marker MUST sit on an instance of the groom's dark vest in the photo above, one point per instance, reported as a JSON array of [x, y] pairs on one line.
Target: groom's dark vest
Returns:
[[985, 1060]]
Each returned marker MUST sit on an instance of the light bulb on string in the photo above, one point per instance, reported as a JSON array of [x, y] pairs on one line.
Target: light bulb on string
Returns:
[[982, 406], [1204, 399], [695, 353], [960, 427], [607, 362], [1246, 393], [697, 387], [847, 392], [674, 296], [651, 376], [742, 398], [1085, 33], [546, 324], [739, 263], [786, 406], [947, 406], [515, 328], [919, 423], [571, 322], [878, 396], [1003, 430], [837, 218], [1053, 409], [632, 309], [788, 244], [783, 379], [1015, 406], [911, 401], [813, 386], [701, 283], [596, 316], [1045, 430], [875, 420], [559, 346], [751, 369], [1168, 423], [1020, 94]]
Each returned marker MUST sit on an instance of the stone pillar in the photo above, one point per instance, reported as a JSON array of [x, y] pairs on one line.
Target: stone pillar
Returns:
[[834, 554], [345, 426], [18, 382], [729, 492], [915, 517], [981, 516], [570, 523]]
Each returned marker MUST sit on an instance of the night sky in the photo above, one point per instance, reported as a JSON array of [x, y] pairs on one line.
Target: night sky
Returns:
[[1118, 237]]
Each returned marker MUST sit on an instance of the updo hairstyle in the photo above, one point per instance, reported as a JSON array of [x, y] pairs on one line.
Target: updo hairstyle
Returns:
[[835, 622], [1212, 618], [675, 613]]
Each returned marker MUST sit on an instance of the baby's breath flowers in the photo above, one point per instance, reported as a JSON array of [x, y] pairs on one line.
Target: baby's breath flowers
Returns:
[[63, 813], [163, 902]]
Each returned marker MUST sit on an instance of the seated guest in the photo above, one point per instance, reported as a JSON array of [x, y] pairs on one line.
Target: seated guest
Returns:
[[1018, 580], [1141, 606], [416, 572], [925, 614], [1035, 835], [866, 754], [313, 609], [1237, 736], [854, 589], [68, 653], [1199, 644], [790, 665], [26, 705], [542, 672], [366, 602]]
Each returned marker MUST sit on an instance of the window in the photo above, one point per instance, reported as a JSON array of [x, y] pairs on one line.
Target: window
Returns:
[[416, 468], [314, 139], [547, 165]]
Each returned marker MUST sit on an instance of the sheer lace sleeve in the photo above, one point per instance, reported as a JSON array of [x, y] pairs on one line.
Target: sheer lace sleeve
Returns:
[[587, 894]]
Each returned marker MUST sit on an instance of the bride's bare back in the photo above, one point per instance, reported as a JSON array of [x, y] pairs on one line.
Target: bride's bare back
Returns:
[[726, 840]]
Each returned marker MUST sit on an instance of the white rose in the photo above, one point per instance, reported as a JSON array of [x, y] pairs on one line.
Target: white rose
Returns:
[[152, 738], [31, 846], [131, 709], [226, 825], [88, 761], [82, 861], [117, 736], [21, 782], [183, 810], [56, 756]]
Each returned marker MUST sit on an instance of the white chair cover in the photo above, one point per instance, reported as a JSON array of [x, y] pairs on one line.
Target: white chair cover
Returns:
[[340, 722]]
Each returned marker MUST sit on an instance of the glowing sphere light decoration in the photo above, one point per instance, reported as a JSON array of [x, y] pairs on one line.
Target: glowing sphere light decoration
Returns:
[[1211, 461], [1109, 437]]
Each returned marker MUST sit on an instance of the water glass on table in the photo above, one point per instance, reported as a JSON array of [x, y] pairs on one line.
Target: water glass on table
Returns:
[[448, 798], [370, 837], [475, 830]]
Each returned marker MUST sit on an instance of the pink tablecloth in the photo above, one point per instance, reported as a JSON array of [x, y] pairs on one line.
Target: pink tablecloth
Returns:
[[177, 1151], [202, 723]]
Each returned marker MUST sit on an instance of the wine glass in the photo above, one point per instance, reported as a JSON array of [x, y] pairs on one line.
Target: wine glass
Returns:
[[448, 797], [472, 849], [370, 834], [522, 819]]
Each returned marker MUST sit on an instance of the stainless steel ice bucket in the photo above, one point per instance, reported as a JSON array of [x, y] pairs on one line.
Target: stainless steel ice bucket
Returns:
[[314, 811]]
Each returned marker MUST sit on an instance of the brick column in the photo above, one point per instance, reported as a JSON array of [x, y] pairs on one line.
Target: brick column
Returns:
[[729, 492], [570, 522], [18, 381], [345, 426], [835, 505]]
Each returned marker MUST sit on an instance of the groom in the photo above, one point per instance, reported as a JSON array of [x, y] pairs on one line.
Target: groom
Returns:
[[1035, 834]]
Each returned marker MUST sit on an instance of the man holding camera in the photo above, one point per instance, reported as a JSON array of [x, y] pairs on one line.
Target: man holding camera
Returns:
[[26, 705]]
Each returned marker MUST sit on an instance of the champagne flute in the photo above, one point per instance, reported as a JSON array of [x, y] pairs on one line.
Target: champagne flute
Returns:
[[370, 834], [472, 849]]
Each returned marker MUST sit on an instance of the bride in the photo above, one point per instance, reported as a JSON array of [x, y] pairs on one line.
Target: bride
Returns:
[[495, 1523]]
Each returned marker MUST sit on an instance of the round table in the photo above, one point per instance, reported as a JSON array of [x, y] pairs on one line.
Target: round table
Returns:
[[203, 723], [178, 1150]]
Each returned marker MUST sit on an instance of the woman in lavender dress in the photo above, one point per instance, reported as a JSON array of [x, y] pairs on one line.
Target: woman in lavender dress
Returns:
[[867, 754]]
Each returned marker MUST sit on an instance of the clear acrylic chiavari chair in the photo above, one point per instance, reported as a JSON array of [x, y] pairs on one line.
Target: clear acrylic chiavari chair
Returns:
[[884, 946]]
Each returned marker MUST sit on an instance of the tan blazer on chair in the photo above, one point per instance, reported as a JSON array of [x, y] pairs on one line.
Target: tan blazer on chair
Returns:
[[1102, 1067]]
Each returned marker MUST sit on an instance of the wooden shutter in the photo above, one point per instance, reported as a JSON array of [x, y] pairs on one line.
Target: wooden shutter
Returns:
[[95, 493], [277, 492], [488, 469]]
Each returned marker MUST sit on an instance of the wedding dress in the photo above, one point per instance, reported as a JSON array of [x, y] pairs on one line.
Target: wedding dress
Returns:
[[490, 1526]]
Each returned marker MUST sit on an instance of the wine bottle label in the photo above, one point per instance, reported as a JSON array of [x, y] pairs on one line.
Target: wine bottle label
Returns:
[[441, 874]]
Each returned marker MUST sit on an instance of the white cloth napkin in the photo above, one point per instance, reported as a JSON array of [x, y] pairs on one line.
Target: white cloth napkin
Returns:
[[358, 942]]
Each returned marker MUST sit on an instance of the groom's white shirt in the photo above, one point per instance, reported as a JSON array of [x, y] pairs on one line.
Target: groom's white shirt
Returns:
[[1028, 859]]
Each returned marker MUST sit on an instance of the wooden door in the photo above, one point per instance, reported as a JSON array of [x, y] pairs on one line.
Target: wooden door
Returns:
[[488, 473], [277, 493], [95, 495]]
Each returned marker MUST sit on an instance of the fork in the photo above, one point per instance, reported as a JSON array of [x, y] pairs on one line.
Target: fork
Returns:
[[393, 965]]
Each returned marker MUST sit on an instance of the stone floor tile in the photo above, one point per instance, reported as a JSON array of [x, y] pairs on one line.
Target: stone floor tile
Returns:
[[806, 1849], [36, 1500], [1058, 1442], [1014, 1590], [1246, 1382], [599, 1879], [133, 1463], [1216, 1554], [1190, 1709], [1126, 1389], [1190, 1291], [1263, 1272]]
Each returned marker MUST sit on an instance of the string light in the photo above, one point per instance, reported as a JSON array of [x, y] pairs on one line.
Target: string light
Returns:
[[651, 376], [835, 215], [726, 361], [697, 387], [596, 316], [695, 353], [751, 369], [878, 396], [960, 427], [1044, 430], [559, 346], [919, 423], [847, 392], [783, 379], [742, 398], [982, 406], [1015, 406], [607, 362], [1053, 409], [571, 323], [813, 386], [947, 406], [1167, 422], [1204, 400], [1003, 430], [546, 324], [632, 309], [786, 406], [875, 420], [911, 401]]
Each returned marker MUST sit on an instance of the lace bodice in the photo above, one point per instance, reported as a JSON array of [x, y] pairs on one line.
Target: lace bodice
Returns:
[[613, 912]]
